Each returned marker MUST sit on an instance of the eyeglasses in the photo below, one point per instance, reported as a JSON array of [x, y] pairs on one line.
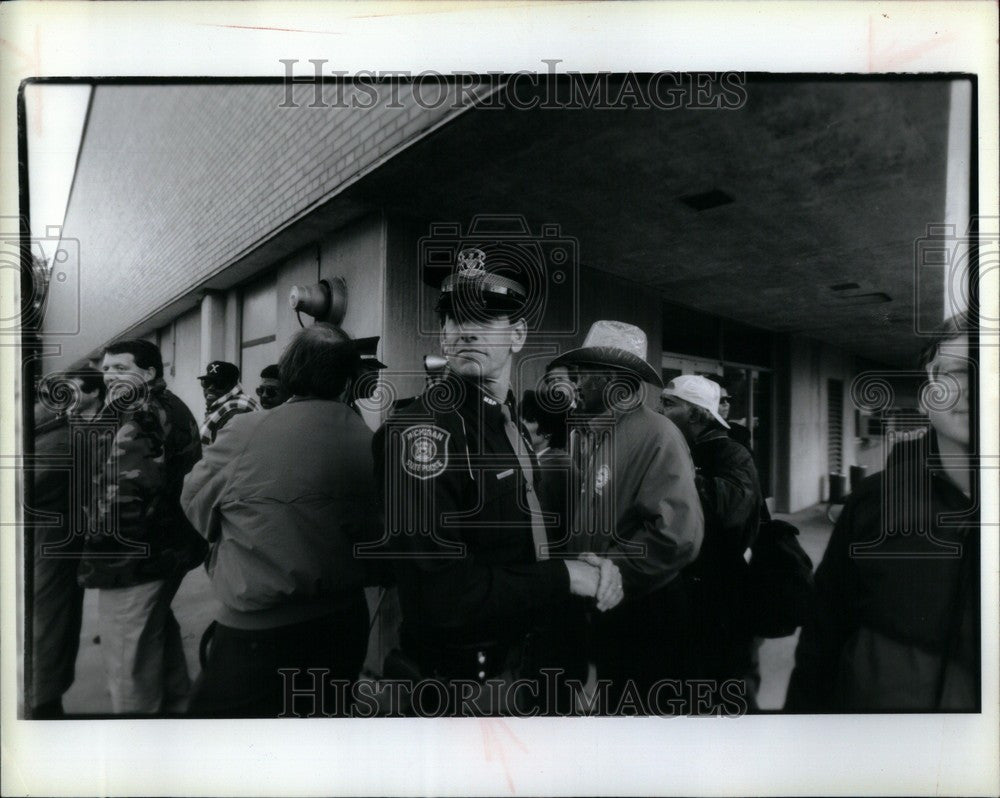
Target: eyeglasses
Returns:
[[268, 391]]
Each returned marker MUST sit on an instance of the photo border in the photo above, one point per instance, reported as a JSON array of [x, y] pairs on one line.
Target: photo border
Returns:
[[912, 754]]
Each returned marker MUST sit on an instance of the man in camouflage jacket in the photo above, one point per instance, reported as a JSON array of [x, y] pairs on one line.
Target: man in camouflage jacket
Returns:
[[139, 544]]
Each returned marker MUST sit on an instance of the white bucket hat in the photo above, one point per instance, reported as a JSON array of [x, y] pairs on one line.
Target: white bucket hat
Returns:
[[698, 391]]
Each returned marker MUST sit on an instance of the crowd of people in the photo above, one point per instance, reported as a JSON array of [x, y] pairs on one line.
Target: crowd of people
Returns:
[[567, 551]]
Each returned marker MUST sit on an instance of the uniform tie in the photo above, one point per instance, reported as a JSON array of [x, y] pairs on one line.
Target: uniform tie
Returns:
[[538, 533]]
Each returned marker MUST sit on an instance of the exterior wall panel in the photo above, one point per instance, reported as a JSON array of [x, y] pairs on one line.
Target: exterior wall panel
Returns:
[[601, 296], [357, 254], [174, 183], [301, 269], [810, 365], [409, 320], [182, 377]]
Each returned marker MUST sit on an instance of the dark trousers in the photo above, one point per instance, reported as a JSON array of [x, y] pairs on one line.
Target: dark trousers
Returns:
[[562, 645], [57, 615], [243, 675], [639, 644], [520, 676], [723, 649]]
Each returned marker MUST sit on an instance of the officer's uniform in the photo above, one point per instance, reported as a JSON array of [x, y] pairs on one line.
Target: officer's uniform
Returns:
[[463, 527]]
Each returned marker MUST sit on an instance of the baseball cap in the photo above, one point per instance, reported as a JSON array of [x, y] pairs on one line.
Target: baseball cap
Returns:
[[221, 374], [698, 391]]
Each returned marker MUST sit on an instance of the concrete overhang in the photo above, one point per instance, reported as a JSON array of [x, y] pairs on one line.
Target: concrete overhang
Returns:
[[830, 182], [797, 212]]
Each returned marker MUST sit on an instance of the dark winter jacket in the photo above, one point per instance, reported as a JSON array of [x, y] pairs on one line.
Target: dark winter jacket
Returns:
[[896, 621], [730, 498], [716, 582], [458, 527]]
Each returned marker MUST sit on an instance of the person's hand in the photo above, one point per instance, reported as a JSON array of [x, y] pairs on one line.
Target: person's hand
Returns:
[[609, 590], [583, 578]]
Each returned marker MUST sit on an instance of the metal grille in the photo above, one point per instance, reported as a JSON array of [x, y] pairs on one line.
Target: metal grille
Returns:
[[835, 425]]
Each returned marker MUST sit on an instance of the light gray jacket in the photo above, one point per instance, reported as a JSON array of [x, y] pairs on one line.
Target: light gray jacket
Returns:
[[282, 496]]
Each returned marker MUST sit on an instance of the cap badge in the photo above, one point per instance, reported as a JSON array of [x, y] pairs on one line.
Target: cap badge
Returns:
[[471, 262]]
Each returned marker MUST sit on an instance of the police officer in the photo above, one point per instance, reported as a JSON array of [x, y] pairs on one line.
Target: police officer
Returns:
[[462, 515]]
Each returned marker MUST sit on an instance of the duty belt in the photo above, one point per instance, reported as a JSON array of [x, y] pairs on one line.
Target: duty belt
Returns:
[[477, 661]]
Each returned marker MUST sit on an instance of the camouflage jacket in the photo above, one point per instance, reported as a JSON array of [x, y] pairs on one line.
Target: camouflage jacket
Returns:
[[137, 531]]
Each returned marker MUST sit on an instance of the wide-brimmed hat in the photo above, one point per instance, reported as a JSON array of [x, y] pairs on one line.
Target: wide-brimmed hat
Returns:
[[698, 391], [616, 345]]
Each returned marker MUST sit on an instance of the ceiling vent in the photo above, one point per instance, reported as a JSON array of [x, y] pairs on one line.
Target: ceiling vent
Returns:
[[707, 200], [874, 298], [846, 295]]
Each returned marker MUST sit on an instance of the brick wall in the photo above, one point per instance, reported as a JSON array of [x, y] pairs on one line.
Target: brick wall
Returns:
[[176, 182]]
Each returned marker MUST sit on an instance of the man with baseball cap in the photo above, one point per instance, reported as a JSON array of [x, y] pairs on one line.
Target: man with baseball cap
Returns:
[[224, 398], [636, 504], [463, 521], [722, 642]]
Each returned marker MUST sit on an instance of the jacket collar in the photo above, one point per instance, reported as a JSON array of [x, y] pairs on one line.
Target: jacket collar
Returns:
[[713, 433], [155, 389], [234, 393], [615, 414], [488, 407], [471, 394], [918, 455]]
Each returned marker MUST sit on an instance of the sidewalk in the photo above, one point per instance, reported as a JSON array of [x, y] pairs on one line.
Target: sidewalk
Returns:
[[195, 608]]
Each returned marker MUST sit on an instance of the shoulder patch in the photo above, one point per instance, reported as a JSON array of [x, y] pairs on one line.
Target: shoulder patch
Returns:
[[425, 450]]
